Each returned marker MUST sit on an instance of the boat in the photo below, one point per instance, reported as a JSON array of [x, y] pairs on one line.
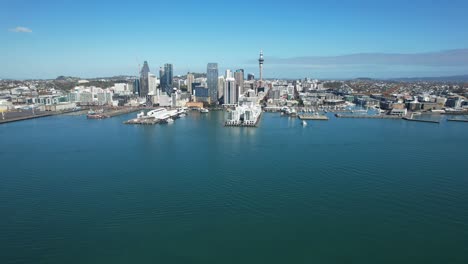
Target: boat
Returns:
[[304, 123], [182, 115], [170, 120], [204, 110]]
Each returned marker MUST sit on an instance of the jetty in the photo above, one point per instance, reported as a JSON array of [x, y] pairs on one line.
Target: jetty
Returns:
[[420, 120], [313, 117], [369, 116]]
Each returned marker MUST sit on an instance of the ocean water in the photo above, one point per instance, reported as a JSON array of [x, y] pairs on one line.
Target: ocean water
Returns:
[[74, 190]]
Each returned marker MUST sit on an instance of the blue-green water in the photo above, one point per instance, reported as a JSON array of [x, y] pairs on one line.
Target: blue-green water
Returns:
[[344, 191]]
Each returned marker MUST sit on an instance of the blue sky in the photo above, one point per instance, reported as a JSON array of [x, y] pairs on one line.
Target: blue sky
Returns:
[[44, 39]]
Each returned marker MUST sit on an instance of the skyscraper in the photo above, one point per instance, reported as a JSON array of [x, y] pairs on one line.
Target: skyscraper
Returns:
[[228, 74], [250, 77], [166, 76], [231, 93], [212, 81], [136, 87], [190, 79], [152, 84], [260, 64], [221, 83], [144, 85], [239, 76]]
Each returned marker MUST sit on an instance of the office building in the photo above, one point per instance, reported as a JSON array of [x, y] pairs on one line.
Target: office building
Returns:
[[239, 76], [166, 76], [221, 81], [212, 81], [189, 81], [144, 85], [231, 92]]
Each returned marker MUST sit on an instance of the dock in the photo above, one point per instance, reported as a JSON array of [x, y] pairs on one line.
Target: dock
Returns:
[[28, 116], [313, 117], [142, 121], [369, 116], [421, 120]]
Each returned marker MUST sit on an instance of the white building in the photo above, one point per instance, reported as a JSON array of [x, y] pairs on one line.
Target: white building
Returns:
[[152, 84], [228, 74]]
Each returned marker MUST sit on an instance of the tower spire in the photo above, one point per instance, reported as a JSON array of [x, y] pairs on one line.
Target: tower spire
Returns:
[[260, 64]]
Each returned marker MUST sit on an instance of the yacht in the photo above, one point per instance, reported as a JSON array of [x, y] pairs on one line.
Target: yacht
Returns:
[[204, 110], [304, 123]]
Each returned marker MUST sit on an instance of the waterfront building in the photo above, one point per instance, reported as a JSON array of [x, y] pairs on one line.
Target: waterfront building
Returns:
[[144, 84], [212, 81]]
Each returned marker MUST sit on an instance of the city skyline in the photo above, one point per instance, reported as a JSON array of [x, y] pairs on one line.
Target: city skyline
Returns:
[[322, 40]]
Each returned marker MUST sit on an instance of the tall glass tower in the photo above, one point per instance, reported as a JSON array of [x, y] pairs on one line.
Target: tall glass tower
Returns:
[[212, 81], [144, 84], [166, 78]]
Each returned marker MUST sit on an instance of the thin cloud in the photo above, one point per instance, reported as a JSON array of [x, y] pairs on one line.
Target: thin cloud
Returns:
[[21, 29], [455, 58]]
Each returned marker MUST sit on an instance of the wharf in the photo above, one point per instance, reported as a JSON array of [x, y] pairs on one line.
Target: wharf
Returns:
[[124, 111], [368, 116], [29, 115], [313, 117], [420, 120], [142, 121]]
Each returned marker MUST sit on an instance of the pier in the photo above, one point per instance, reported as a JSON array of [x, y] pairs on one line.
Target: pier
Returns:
[[369, 116], [421, 120], [313, 117]]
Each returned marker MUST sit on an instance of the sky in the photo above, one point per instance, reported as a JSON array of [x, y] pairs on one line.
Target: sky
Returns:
[[316, 39]]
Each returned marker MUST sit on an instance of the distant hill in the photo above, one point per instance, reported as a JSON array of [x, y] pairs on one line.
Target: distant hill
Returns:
[[456, 78], [66, 78]]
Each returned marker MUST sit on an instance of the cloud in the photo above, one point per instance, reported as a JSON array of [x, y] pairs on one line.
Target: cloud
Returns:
[[21, 29], [445, 58]]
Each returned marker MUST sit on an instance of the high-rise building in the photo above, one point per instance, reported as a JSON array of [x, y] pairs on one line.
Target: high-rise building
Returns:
[[228, 74], [250, 77], [136, 86], [260, 64], [144, 85], [221, 83], [231, 93], [166, 76], [239, 76], [152, 84], [212, 81], [190, 80]]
